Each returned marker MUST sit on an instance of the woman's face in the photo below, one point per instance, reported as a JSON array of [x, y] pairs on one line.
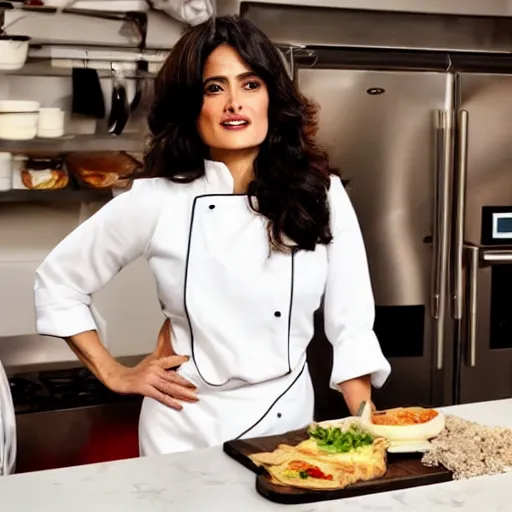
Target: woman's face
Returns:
[[234, 115]]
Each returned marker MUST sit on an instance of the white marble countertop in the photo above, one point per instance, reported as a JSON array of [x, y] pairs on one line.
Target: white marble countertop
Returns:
[[208, 480]]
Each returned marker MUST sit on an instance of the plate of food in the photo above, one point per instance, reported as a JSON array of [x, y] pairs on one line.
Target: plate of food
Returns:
[[332, 457], [330, 460]]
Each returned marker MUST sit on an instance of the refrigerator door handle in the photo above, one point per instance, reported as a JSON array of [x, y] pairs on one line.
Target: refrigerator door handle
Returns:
[[434, 293], [460, 212], [497, 256], [441, 227], [473, 264]]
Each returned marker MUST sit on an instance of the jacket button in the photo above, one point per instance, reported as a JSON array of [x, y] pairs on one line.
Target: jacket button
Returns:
[[212, 206], [279, 414], [277, 314]]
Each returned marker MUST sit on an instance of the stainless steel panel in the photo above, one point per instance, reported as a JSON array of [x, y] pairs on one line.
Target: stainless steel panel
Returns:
[[487, 99], [465, 7], [384, 145], [379, 128], [319, 26]]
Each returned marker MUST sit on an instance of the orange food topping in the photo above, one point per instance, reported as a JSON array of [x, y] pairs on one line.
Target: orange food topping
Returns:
[[403, 417], [307, 470]]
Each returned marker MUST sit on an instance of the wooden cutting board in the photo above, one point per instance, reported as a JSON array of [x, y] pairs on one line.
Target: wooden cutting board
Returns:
[[404, 471]]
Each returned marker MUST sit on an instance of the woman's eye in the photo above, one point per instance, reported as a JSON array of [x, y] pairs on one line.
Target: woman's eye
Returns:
[[253, 85], [213, 88]]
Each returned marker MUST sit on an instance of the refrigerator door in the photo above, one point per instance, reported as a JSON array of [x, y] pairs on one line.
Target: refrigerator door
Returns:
[[485, 167], [389, 133]]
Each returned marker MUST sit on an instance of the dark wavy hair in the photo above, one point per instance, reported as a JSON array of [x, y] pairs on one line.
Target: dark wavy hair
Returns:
[[291, 173]]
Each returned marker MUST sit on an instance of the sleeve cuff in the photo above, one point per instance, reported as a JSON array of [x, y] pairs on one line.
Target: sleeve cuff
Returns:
[[357, 357], [64, 323]]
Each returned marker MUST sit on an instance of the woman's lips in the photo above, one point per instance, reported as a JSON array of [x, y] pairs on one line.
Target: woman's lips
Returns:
[[235, 126], [235, 123]]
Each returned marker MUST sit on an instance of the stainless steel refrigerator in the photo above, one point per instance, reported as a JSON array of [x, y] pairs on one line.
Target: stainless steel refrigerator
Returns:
[[428, 159]]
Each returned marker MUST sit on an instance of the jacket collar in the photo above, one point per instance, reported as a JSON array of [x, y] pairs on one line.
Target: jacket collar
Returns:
[[218, 178]]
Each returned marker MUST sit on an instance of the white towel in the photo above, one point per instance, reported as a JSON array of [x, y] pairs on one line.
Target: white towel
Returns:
[[192, 12]]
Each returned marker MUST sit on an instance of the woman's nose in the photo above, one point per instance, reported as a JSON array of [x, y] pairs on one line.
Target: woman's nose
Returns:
[[233, 107], [233, 104]]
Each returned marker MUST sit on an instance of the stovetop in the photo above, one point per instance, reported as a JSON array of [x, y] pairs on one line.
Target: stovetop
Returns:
[[59, 389]]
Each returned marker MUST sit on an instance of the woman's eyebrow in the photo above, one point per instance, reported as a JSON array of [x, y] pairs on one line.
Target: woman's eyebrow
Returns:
[[224, 79]]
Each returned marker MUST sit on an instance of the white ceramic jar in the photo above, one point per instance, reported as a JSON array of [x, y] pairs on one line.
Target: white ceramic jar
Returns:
[[50, 123]]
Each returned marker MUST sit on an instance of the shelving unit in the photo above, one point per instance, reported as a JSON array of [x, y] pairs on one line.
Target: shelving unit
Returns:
[[138, 20], [71, 143], [66, 195], [39, 63]]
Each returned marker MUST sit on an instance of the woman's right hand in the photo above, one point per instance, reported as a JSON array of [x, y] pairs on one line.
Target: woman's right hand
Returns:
[[153, 377]]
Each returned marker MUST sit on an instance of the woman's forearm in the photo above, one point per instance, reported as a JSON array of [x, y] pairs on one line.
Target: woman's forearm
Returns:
[[355, 391], [92, 353]]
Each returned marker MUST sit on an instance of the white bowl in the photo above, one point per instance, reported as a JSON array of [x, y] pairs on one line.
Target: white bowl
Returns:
[[417, 433], [18, 126], [14, 106], [13, 52]]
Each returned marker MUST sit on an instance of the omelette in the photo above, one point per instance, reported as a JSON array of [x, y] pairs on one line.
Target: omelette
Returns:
[[332, 457]]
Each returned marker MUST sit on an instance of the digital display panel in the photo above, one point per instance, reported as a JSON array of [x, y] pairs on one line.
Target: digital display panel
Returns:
[[502, 225]]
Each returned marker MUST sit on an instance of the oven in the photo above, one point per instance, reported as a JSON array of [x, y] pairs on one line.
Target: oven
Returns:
[[66, 417]]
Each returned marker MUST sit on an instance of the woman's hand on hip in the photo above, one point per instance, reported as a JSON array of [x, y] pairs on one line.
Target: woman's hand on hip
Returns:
[[154, 377]]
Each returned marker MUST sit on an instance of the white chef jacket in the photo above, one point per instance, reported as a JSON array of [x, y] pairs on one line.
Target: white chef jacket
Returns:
[[242, 313]]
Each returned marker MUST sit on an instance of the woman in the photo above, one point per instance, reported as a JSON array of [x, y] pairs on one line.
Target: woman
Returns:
[[247, 229]]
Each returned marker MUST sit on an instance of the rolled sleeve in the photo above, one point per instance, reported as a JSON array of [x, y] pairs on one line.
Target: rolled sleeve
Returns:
[[349, 309], [89, 257], [60, 313]]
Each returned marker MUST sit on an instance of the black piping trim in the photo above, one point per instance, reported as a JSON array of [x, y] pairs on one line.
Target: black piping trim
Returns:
[[185, 286], [273, 403], [292, 279]]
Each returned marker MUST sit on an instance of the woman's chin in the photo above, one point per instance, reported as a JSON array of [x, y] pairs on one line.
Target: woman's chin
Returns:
[[234, 145]]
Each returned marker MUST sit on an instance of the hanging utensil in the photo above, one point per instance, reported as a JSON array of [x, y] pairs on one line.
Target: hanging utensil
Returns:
[[120, 108], [140, 74], [88, 97]]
